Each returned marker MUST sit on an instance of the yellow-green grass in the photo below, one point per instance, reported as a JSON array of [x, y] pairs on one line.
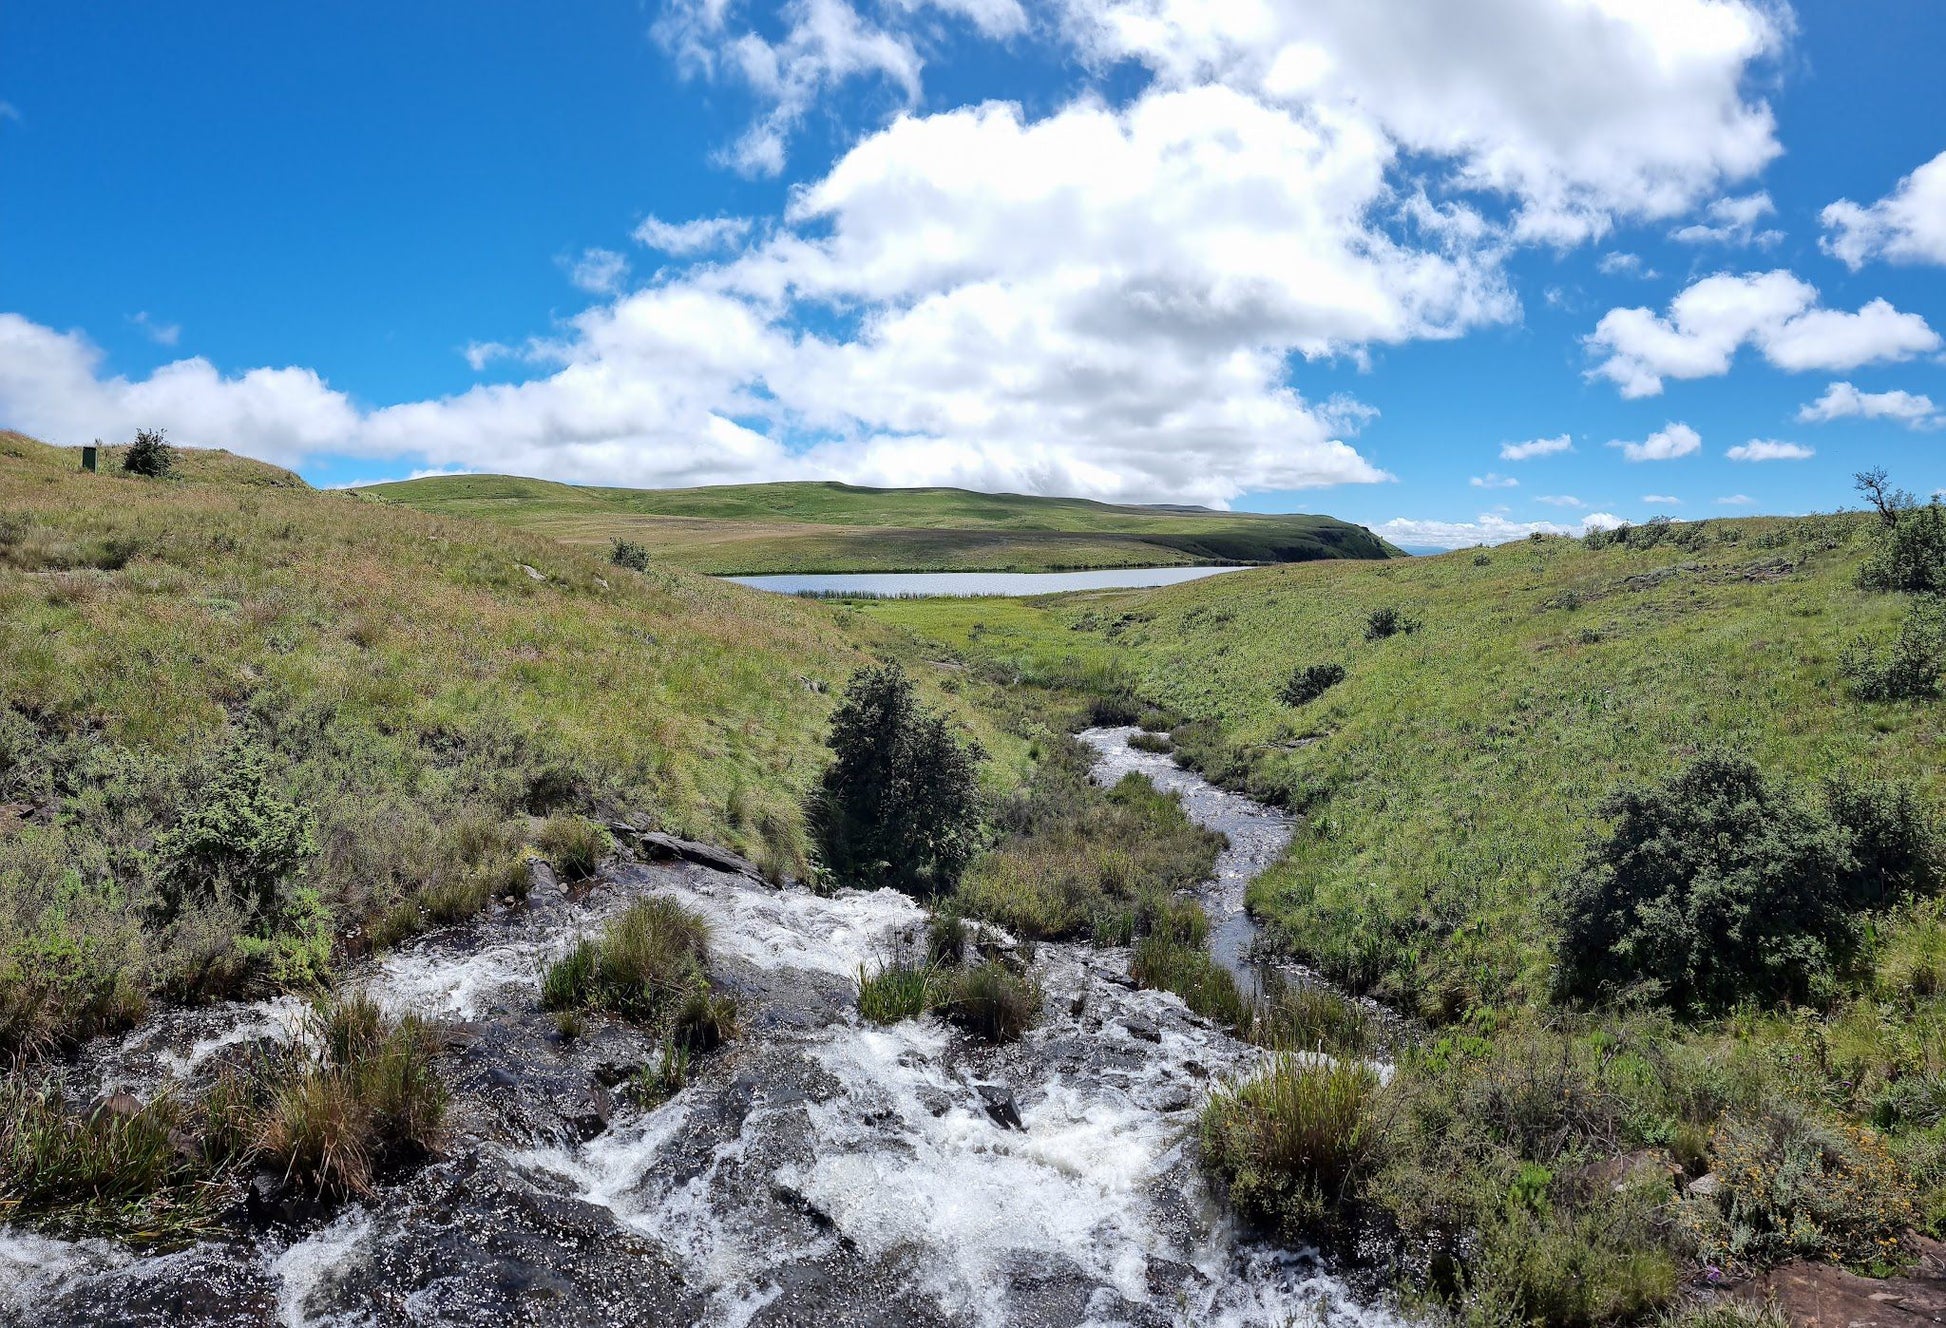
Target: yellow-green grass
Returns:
[[411, 676], [756, 529], [1454, 777]]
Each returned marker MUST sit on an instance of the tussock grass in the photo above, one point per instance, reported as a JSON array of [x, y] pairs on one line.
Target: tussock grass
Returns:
[[1294, 1141], [899, 990], [648, 964], [991, 1001], [574, 845]]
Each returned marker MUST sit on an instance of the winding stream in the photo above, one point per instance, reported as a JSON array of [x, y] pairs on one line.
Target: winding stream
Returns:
[[821, 1171]]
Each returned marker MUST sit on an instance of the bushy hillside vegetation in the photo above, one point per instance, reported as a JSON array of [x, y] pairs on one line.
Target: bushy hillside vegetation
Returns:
[[752, 529], [246, 727]]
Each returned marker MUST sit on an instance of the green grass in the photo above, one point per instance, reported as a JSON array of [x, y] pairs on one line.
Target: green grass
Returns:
[[824, 527], [1453, 777], [415, 697]]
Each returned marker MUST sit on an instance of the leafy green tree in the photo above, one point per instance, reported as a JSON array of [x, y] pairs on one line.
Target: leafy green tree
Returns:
[[900, 804], [1721, 887], [150, 453], [629, 554]]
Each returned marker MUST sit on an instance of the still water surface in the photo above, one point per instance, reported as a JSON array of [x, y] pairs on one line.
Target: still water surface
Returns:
[[897, 584]]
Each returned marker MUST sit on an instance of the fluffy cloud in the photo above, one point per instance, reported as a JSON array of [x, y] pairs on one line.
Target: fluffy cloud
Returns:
[[1908, 225], [1625, 265], [1578, 110], [1489, 528], [1560, 500], [1737, 500], [1769, 449], [1666, 499], [597, 271], [1493, 481], [1537, 447], [691, 237], [1732, 221], [1773, 311], [1843, 401], [1665, 444]]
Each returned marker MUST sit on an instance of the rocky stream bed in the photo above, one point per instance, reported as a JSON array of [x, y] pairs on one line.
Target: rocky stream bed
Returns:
[[817, 1171]]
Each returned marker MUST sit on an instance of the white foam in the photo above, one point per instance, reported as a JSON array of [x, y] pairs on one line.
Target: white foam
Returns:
[[310, 1264], [771, 929], [34, 1267]]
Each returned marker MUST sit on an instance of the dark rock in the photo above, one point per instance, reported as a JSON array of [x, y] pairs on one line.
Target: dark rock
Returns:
[[1000, 1105], [1142, 1028], [119, 1103], [591, 1115], [656, 846], [608, 1073]]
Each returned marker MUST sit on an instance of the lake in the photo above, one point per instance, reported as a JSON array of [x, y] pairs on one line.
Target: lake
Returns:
[[896, 585]]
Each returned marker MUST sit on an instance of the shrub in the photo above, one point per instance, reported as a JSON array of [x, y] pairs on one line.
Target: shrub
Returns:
[[1910, 556], [575, 845], [629, 554], [648, 964], [991, 1001], [1792, 1186], [899, 990], [241, 836], [1310, 681], [150, 454], [1719, 887], [899, 805], [1542, 1263], [1157, 744], [1388, 621], [1294, 1142], [1909, 669]]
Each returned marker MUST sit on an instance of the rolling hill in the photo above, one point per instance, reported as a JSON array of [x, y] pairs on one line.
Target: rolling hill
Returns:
[[745, 530]]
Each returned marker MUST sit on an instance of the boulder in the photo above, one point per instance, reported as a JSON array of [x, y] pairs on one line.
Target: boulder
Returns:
[[656, 846], [1000, 1105], [1820, 1295]]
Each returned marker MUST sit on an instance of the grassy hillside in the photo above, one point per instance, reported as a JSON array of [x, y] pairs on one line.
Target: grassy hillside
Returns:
[[358, 708], [818, 527], [1455, 774]]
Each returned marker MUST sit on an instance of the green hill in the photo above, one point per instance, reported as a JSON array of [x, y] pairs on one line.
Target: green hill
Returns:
[[1454, 775], [397, 691], [823, 527]]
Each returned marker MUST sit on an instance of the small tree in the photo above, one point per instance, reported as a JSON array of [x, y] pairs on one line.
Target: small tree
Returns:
[[241, 837], [900, 805], [1310, 681], [1388, 621], [1720, 887], [629, 554], [150, 453]]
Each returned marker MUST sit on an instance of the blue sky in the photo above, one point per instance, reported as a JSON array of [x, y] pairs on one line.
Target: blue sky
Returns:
[[1330, 256]]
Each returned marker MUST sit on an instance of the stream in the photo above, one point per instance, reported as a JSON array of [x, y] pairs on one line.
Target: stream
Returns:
[[818, 1171]]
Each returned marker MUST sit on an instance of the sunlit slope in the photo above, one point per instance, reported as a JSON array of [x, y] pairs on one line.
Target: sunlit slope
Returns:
[[823, 527], [1452, 778]]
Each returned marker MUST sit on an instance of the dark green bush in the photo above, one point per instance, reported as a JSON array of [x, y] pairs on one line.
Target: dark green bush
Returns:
[[150, 453], [1310, 681], [1909, 669], [629, 554], [241, 836], [1388, 621], [1910, 556], [1719, 887], [900, 804]]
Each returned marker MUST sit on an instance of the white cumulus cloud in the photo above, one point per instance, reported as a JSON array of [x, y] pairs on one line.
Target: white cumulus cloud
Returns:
[[1665, 444], [1908, 225], [1843, 401], [597, 271], [1732, 221], [1537, 447], [1774, 312], [1493, 481], [1769, 449], [700, 235]]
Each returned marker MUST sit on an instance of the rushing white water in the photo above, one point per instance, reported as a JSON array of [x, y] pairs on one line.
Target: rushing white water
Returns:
[[816, 1153]]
